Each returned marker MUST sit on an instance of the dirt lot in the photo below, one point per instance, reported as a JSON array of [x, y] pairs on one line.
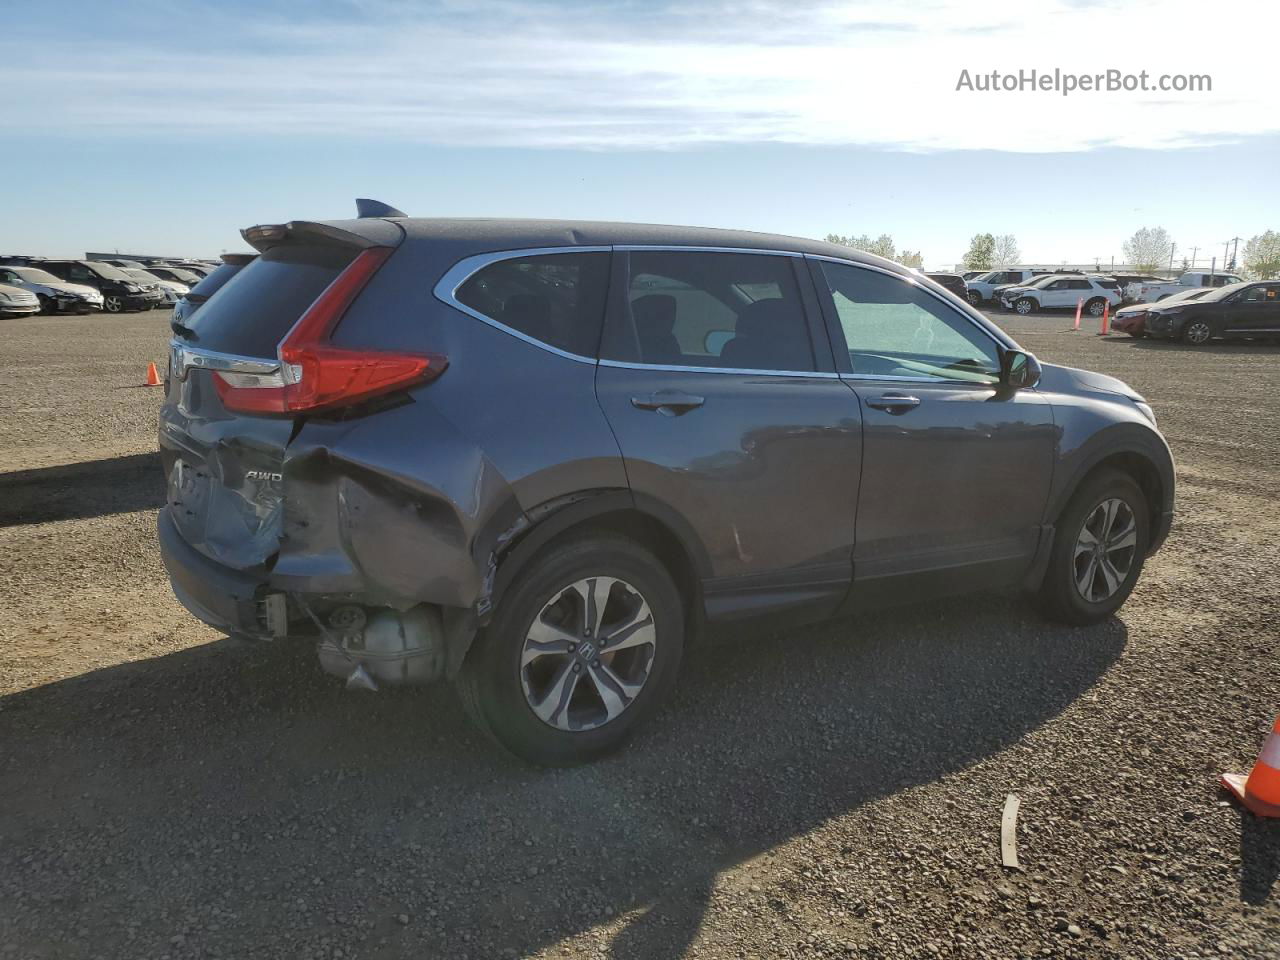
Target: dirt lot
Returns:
[[832, 792]]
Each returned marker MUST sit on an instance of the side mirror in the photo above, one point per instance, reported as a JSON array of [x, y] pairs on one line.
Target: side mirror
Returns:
[[1019, 370]]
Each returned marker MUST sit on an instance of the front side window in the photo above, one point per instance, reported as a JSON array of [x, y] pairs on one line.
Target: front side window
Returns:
[[720, 310], [556, 298], [1263, 294], [893, 328]]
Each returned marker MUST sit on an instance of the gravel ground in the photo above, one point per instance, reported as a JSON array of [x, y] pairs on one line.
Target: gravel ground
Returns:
[[835, 791]]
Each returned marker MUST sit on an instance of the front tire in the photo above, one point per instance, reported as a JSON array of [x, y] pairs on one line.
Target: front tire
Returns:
[[112, 304], [1197, 333], [585, 644], [974, 297], [1024, 305], [1099, 546]]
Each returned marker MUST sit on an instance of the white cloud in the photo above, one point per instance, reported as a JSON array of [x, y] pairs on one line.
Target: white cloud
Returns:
[[646, 76]]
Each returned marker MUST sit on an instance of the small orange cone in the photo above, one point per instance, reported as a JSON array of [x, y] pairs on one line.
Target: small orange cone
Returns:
[[153, 376], [1106, 319], [1260, 791], [1079, 307]]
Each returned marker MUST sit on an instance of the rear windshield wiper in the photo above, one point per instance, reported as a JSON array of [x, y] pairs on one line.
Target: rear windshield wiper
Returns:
[[182, 330]]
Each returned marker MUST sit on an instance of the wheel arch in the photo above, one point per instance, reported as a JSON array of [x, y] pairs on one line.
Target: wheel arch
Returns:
[[1138, 463], [640, 518]]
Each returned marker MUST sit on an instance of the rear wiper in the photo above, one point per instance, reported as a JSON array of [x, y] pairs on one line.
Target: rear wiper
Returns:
[[182, 330]]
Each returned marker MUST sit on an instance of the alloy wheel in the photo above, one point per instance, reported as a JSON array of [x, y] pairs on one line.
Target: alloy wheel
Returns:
[[1198, 333], [112, 304], [588, 654], [1105, 550], [1024, 306], [1097, 307]]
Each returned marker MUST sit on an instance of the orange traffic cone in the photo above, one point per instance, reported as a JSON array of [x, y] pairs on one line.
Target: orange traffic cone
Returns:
[[1106, 319], [1260, 792], [1079, 307], [153, 376]]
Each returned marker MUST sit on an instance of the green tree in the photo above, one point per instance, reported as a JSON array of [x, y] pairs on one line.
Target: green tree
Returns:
[[909, 259], [1148, 249], [1262, 255], [981, 253], [881, 246]]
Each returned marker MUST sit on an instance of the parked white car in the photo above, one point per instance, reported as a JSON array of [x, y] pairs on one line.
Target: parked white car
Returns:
[[16, 302], [982, 288], [1060, 292], [54, 295], [171, 289], [1152, 292]]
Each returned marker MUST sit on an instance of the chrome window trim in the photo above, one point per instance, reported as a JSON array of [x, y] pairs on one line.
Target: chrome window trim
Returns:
[[681, 248], [185, 356], [676, 368], [446, 290]]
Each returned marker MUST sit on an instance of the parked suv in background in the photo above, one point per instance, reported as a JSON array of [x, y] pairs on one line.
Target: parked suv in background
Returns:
[[1059, 292], [119, 290], [983, 288], [54, 295], [1157, 291], [539, 457], [232, 263]]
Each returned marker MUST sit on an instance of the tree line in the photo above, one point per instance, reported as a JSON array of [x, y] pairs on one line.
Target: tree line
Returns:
[[1149, 249]]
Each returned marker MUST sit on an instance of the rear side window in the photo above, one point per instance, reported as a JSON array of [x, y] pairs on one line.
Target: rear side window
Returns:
[[251, 316], [556, 298], [696, 309]]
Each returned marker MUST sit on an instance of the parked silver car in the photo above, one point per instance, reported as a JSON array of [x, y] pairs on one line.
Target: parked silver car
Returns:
[[54, 295]]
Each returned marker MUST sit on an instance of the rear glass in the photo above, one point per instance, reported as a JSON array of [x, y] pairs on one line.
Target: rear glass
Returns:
[[251, 315], [214, 281]]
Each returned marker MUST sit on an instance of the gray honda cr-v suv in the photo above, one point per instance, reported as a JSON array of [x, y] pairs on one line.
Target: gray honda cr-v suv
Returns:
[[538, 457]]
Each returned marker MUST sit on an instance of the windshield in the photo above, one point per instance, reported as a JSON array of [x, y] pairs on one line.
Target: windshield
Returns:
[[141, 274], [1040, 281], [1193, 294], [1221, 293], [106, 271], [182, 274], [34, 275]]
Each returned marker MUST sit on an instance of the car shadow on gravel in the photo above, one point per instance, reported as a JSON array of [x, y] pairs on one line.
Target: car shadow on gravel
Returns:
[[232, 798], [94, 488]]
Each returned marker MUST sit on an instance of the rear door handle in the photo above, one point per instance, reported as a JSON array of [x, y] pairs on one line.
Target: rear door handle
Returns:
[[893, 402], [668, 402]]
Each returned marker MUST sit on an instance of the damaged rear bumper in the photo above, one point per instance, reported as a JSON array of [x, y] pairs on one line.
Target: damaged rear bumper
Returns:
[[228, 600]]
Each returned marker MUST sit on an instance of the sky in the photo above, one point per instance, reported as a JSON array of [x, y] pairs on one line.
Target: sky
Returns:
[[165, 126]]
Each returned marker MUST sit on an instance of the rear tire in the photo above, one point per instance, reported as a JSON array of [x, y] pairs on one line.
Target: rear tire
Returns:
[[1096, 306], [1078, 587], [556, 693], [974, 297]]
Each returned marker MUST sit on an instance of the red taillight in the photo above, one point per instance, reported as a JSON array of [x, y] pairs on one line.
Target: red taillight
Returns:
[[317, 375]]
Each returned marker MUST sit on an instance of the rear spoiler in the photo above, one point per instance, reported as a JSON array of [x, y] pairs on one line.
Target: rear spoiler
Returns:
[[360, 234]]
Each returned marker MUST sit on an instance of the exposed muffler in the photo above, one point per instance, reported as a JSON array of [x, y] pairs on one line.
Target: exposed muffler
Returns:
[[390, 647]]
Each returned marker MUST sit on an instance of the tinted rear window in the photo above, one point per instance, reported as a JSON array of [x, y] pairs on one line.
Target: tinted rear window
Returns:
[[251, 316], [555, 298], [212, 283]]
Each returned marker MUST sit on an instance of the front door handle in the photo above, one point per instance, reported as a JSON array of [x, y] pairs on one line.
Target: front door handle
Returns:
[[668, 402], [893, 402]]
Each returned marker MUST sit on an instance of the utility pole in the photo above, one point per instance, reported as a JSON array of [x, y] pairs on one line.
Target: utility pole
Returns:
[[1235, 248], [1194, 251]]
